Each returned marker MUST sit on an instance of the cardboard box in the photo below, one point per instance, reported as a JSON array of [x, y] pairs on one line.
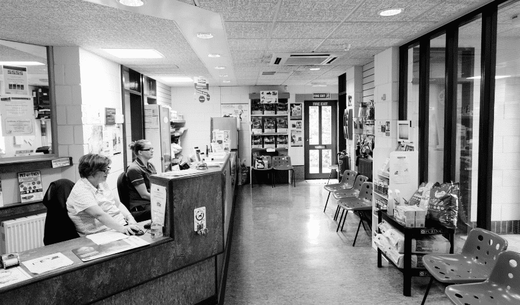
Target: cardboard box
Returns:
[[405, 215], [420, 217]]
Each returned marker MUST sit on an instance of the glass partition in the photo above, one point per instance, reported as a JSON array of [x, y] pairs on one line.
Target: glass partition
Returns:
[[25, 104]]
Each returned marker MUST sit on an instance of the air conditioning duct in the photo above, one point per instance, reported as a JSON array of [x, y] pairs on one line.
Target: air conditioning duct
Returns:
[[302, 59]]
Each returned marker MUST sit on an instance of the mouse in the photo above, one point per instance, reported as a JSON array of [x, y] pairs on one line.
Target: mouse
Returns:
[[138, 232]]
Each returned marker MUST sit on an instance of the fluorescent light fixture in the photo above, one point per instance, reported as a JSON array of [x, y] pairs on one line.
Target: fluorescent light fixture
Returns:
[[223, 75], [220, 67], [214, 55], [319, 85], [226, 81], [496, 77], [391, 12], [131, 2], [21, 63], [314, 69], [177, 79], [134, 53], [204, 35]]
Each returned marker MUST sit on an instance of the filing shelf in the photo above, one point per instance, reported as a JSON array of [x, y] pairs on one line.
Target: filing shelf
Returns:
[[409, 234]]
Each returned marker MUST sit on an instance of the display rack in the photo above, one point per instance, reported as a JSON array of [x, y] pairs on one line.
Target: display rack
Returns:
[[431, 228]]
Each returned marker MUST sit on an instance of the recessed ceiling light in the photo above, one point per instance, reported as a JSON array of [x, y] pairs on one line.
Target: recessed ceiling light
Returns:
[[204, 35], [20, 63], [131, 2], [223, 75], [134, 53], [177, 79], [391, 12], [214, 55], [314, 69], [220, 67], [226, 81]]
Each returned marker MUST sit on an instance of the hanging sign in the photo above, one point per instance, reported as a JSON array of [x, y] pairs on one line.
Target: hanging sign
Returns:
[[321, 95], [15, 79], [269, 97], [201, 89]]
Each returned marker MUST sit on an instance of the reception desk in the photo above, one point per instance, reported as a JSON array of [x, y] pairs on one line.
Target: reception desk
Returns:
[[181, 267]]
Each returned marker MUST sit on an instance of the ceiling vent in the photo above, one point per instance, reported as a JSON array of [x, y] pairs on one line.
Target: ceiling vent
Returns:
[[302, 59], [268, 72]]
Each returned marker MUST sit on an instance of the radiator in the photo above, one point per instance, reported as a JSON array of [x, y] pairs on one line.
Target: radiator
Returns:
[[22, 234]]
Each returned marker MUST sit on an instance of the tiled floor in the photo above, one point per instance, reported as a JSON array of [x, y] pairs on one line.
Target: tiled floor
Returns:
[[285, 250]]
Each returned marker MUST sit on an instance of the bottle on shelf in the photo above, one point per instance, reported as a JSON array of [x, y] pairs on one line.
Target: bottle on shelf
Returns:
[[390, 203]]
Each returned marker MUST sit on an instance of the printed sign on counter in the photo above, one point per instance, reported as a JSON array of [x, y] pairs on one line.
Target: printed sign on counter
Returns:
[[158, 203]]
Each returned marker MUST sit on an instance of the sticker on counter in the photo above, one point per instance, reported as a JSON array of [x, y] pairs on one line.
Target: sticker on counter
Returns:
[[158, 203], [199, 219]]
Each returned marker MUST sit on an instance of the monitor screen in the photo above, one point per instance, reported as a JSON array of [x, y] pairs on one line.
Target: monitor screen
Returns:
[[403, 131]]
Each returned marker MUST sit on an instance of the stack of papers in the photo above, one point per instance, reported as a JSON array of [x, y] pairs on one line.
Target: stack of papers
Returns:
[[108, 243]]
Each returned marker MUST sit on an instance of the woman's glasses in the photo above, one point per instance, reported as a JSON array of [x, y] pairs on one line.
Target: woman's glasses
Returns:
[[147, 149], [106, 170]]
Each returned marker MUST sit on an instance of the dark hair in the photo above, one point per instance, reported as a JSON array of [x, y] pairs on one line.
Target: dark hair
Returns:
[[90, 164], [138, 145]]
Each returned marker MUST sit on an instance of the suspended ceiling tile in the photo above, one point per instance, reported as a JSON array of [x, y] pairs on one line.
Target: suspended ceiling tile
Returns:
[[239, 10], [316, 11], [288, 30], [446, 9], [249, 30], [364, 30], [247, 44], [369, 10], [293, 45]]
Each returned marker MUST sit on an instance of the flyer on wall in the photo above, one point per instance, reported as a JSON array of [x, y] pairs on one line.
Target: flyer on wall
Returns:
[[31, 188]]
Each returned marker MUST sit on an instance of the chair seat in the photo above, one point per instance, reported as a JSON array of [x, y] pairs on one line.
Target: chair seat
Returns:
[[455, 268], [283, 168], [333, 187], [355, 204], [342, 194]]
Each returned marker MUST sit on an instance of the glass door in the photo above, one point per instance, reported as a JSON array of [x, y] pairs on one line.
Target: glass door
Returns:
[[320, 138]]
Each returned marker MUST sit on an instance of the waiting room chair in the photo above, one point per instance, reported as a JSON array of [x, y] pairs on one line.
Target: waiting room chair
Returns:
[[358, 205], [261, 164], [58, 225], [347, 182], [502, 286], [122, 189], [283, 163], [472, 265], [349, 193]]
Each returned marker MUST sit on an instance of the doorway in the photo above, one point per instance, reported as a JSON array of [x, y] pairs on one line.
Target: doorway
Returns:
[[320, 134]]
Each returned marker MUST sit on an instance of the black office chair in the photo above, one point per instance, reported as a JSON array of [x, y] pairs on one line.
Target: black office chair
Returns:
[[58, 225], [122, 189]]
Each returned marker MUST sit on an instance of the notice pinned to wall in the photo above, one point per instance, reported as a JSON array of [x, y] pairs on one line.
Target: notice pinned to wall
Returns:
[[15, 79], [158, 204], [201, 89]]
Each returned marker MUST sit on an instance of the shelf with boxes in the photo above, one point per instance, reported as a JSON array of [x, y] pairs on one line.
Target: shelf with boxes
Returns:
[[269, 124]]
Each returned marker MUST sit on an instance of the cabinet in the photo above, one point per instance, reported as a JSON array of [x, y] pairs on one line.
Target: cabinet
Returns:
[[409, 234], [269, 123], [177, 129]]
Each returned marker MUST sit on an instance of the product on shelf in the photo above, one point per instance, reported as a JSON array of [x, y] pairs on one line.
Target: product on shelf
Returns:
[[269, 142], [282, 141], [256, 125], [391, 237], [269, 125], [256, 107], [396, 257], [281, 124], [257, 142], [281, 107], [269, 108]]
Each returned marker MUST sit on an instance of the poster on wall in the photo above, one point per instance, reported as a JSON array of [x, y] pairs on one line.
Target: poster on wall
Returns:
[[269, 97], [296, 111], [239, 111], [296, 138], [17, 116], [15, 79], [201, 89], [31, 188], [296, 124], [94, 136]]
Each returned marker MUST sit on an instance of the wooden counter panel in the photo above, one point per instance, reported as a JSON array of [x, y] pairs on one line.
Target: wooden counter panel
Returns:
[[189, 285]]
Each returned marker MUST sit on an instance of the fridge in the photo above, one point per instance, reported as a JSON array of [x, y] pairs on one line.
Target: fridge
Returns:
[[157, 131], [224, 134]]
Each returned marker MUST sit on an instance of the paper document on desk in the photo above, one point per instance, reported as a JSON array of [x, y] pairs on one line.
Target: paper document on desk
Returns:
[[88, 253], [47, 263], [106, 237], [12, 275]]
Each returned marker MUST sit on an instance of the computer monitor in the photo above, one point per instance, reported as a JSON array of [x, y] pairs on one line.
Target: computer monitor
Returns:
[[404, 131]]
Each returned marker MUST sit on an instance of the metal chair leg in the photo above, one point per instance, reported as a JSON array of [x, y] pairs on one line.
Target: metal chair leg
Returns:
[[357, 232], [344, 220], [339, 222], [326, 202], [427, 290], [337, 212]]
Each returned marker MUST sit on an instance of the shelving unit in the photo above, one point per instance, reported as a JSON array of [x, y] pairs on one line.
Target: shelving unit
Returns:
[[269, 124], [409, 234], [177, 129], [150, 90]]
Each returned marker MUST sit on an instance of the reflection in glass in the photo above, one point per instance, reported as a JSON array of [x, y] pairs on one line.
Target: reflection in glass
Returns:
[[326, 125], [437, 107], [326, 159], [314, 161], [314, 124], [26, 127], [468, 103], [505, 208], [412, 84]]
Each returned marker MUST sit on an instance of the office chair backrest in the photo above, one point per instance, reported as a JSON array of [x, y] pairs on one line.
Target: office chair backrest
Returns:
[[122, 190], [58, 226]]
